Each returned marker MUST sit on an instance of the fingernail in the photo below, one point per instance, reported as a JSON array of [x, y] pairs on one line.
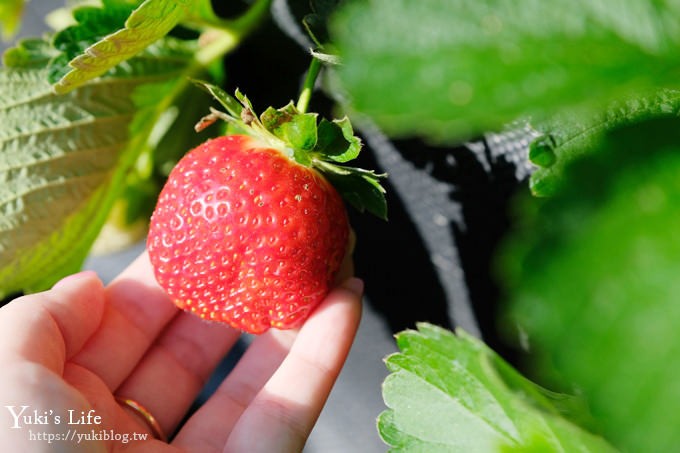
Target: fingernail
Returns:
[[355, 285], [73, 278]]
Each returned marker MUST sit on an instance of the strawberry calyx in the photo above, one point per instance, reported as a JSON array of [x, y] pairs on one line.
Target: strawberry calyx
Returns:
[[319, 144]]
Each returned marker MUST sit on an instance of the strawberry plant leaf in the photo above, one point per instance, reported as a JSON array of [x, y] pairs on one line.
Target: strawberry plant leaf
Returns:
[[449, 392], [29, 53], [64, 160], [569, 135], [151, 21], [469, 67], [92, 24], [10, 17], [594, 272], [202, 10]]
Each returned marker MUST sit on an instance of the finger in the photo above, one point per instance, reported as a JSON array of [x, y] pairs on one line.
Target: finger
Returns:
[[50, 327], [347, 266], [291, 401], [137, 311], [113, 417], [28, 389], [288, 404], [256, 366], [188, 350], [209, 427]]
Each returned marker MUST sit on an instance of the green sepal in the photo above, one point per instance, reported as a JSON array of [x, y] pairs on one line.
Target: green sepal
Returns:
[[297, 129], [360, 188], [230, 103], [273, 118], [337, 141], [309, 142], [243, 99]]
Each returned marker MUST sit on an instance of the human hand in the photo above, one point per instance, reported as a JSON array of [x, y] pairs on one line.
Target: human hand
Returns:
[[67, 353]]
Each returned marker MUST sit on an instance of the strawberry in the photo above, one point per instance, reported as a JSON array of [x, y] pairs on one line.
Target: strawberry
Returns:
[[247, 230]]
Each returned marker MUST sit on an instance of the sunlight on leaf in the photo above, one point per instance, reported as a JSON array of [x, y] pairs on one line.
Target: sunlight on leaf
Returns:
[[152, 20], [450, 69], [449, 393], [567, 136], [64, 160]]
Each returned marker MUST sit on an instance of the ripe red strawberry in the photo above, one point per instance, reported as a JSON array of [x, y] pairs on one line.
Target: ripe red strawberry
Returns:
[[247, 231], [243, 234]]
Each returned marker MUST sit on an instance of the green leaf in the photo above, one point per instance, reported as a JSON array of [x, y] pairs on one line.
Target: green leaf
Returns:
[[90, 25], [64, 161], [449, 69], [593, 271], [569, 135], [10, 17], [29, 53], [202, 11], [450, 393], [151, 21]]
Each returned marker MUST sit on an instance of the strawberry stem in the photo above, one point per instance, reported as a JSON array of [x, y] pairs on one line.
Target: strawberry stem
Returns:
[[236, 28], [308, 86], [227, 35]]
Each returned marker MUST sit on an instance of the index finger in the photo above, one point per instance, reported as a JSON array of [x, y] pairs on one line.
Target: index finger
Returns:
[[50, 327], [137, 312], [287, 402]]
